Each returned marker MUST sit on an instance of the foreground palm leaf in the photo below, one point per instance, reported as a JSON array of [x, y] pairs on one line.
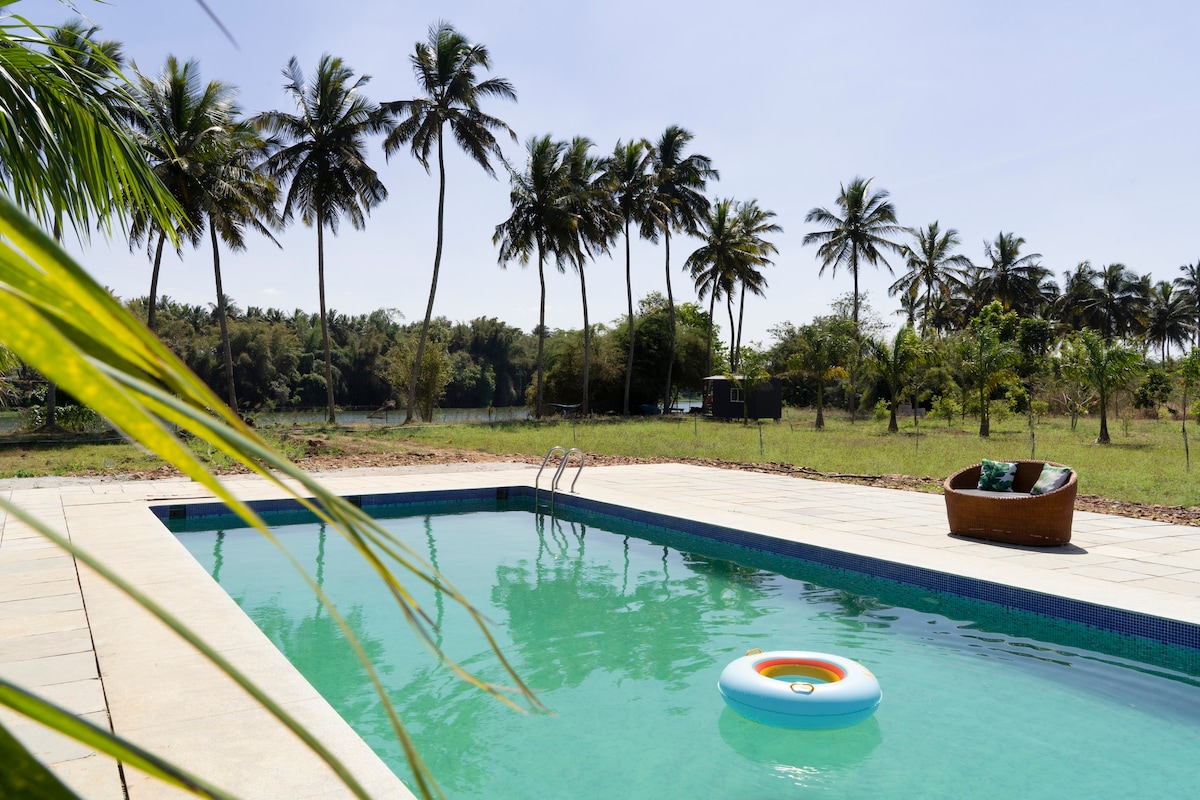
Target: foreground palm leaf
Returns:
[[69, 328]]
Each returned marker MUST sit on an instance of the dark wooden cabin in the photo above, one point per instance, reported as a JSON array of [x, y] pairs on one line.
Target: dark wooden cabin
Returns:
[[724, 399]]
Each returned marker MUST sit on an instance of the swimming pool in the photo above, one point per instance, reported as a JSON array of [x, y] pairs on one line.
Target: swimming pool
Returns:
[[623, 633]]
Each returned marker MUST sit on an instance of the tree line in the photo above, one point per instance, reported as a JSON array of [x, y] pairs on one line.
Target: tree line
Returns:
[[229, 174], [225, 174]]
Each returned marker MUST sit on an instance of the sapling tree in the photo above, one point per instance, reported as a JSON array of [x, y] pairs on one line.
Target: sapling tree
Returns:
[[1188, 373], [1105, 366], [989, 353]]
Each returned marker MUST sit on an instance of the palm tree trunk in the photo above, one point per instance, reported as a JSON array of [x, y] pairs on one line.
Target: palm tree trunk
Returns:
[[212, 230], [854, 272], [537, 406], [671, 325], [928, 304], [1103, 438], [733, 365], [437, 264], [820, 404], [587, 343], [162, 237], [741, 317], [708, 361], [629, 300], [985, 422], [51, 386], [330, 412]]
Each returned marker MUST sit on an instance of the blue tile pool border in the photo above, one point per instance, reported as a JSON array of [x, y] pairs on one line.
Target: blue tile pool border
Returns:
[[1105, 618]]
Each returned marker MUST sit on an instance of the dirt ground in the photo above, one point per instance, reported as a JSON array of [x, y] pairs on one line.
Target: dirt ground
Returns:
[[318, 461]]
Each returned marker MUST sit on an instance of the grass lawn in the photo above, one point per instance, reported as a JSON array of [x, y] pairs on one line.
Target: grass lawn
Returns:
[[1144, 464]]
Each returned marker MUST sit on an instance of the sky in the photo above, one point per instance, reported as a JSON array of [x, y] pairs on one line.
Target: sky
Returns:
[[1069, 124]]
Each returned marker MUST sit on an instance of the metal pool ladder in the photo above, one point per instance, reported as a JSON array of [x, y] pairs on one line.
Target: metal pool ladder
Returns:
[[562, 465]]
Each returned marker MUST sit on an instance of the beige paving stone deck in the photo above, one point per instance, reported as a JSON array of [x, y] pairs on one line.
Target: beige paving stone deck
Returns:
[[68, 634]]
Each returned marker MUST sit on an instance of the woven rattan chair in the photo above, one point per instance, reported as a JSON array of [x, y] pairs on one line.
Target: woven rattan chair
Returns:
[[1015, 517]]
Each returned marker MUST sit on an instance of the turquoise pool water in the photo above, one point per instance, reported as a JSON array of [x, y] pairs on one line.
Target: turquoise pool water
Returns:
[[623, 630]]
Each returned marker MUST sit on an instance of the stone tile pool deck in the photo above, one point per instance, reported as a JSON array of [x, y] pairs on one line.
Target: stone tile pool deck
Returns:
[[68, 635]]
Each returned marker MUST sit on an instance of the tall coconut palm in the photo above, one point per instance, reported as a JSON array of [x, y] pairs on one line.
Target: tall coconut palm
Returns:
[[445, 66], [61, 112], [859, 236], [627, 172], [209, 159], [593, 227], [322, 151], [93, 63], [679, 182], [1013, 279], [177, 121], [1119, 301], [1190, 283], [754, 224], [1169, 318], [711, 265], [237, 194], [931, 265], [540, 226], [1079, 287]]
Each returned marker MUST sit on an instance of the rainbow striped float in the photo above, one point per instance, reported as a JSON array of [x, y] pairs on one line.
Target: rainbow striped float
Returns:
[[797, 689]]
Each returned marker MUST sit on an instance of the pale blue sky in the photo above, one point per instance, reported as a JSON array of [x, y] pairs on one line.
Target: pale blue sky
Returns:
[[1070, 124]]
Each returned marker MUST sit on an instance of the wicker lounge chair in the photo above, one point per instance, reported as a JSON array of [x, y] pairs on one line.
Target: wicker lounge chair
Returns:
[[1014, 517]]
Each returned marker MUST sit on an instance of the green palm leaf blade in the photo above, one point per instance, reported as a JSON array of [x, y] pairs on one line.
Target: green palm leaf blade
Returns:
[[21, 775], [115, 366]]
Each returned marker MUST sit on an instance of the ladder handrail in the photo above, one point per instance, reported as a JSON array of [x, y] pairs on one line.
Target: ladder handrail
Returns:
[[562, 465], [538, 477]]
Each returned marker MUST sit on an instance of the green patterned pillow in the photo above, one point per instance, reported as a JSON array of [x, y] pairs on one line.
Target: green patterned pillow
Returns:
[[1051, 478], [997, 476]]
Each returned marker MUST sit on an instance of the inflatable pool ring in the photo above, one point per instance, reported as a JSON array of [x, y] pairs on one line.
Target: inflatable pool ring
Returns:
[[797, 689]]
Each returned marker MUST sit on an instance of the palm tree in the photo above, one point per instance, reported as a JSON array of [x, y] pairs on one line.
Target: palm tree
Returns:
[[593, 227], [176, 121], [209, 160], [711, 265], [947, 313], [859, 235], [987, 358], [322, 152], [61, 110], [1169, 319], [1079, 287], [931, 265], [540, 225], [679, 182], [93, 64], [753, 224], [1119, 301], [627, 172], [1102, 365], [1013, 279], [237, 194], [895, 364], [1190, 283], [826, 345], [445, 67]]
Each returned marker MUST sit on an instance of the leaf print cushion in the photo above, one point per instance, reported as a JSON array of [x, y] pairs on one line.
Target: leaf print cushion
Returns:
[[997, 476], [1051, 478]]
